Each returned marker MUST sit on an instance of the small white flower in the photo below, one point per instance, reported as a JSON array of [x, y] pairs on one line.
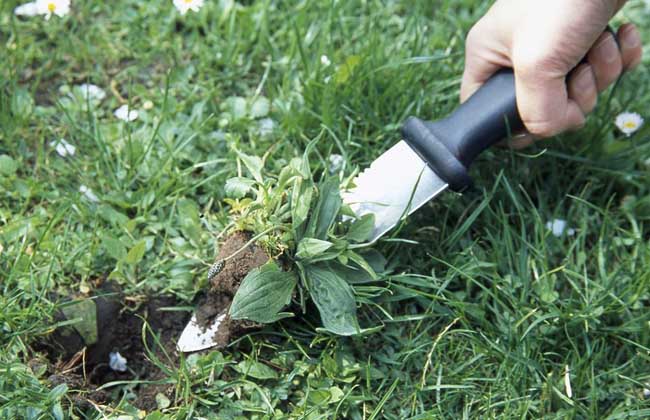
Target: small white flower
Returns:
[[88, 193], [117, 362], [126, 114], [336, 163], [184, 6], [147, 105], [53, 7], [324, 60], [63, 148], [27, 9], [558, 227], [629, 122], [92, 92]]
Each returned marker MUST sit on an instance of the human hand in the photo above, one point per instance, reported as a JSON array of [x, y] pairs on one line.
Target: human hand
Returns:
[[543, 41]]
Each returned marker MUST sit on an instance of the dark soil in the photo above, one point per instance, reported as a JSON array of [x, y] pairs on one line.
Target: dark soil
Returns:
[[228, 280], [119, 329]]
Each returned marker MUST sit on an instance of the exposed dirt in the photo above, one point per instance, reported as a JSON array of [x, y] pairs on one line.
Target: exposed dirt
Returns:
[[119, 329], [85, 368]]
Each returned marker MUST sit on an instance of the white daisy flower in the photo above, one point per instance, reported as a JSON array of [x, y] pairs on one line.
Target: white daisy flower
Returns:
[[558, 227], [53, 7], [117, 362], [336, 163], [88, 193], [324, 60], [92, 92], [27, 9], [629, 122], [125, 114], [63, 148], [184, 6]]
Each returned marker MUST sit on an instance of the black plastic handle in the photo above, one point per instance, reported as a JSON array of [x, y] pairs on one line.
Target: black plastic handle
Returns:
[[450, 145]]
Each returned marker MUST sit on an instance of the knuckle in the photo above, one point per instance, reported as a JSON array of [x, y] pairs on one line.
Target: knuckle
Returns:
[[542, 128]]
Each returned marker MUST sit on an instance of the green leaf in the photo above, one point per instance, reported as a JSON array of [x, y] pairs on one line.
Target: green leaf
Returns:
[[345, 71], [136, 253], [256, 370], [8, 166], [254, 165], [238, 187], [262, 294], [85, 313], [260, 107], [114, 247], [311, 247], [301, 196], [334, 299], [362, 228], [327, 208], [22, 103]]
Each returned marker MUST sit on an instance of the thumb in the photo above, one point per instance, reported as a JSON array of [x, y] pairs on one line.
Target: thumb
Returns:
[[484, 56], [543, 102]]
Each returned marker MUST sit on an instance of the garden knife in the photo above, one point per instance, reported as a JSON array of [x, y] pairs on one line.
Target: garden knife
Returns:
[[434, 156]]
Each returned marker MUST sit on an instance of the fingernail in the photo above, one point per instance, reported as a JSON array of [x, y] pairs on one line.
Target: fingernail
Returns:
[[607, 49], [584, 78], [630, 38]]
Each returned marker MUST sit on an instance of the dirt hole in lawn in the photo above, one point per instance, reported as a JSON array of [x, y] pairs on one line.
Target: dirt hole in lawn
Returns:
[[120, 321]]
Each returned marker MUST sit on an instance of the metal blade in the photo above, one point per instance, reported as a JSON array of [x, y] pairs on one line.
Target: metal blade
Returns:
[[395, 185], [195, 337]]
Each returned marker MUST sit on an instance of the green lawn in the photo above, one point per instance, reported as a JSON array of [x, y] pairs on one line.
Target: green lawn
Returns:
[[484, 313]]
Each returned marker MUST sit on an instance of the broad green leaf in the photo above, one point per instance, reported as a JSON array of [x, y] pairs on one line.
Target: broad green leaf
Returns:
[[334, 299], [361, 262], [85, 312], [262, 294], [136, 253], [346, 69], [22, 103], [238, 187], [301, 196], [114, 247], [361, 229], [189, 218], [8, 166], [312, 247], [327, 208], [260, 107], [254, 165], [255, 370]]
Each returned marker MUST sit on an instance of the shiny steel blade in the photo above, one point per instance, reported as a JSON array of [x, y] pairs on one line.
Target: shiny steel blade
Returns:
[[395, 185], [195, 337]]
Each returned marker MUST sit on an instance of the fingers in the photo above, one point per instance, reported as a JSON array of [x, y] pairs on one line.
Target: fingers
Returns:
[[583, 88], [543, 101], [631, 47], [606, 61]]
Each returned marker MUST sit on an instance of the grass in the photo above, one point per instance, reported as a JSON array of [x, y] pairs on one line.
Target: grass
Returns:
[[488, 310]]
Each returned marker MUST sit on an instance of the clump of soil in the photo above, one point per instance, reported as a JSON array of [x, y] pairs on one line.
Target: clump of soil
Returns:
[[232, 274], [225, 284], [119, 329]]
